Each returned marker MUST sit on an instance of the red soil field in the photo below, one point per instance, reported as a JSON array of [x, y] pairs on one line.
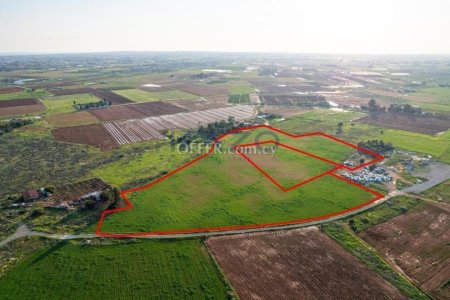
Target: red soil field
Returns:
[[72, 91], [418, 243], [156, 108], [114, 113], [110, 96], [18, 102], [11, 90], [20, 106], [295, 264], [135, 111], [410, 122], [59, 84], [95, 135], [72, 119]]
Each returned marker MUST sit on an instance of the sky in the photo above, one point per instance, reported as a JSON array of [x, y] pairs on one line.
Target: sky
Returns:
[[297, 26]]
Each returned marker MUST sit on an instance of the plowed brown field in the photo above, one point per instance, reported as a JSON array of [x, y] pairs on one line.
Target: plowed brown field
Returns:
[[95, 135], [20, 106], [418, 242], [296, 264]]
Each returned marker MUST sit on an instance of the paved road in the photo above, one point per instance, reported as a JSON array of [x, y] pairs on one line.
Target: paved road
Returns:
[[23, 231], [438, 173]]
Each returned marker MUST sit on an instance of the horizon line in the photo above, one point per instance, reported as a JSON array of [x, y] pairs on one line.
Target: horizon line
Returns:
[[38, 53]]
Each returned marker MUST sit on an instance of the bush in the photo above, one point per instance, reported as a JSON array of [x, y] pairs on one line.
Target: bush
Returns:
[[89, 204], [37, 213]]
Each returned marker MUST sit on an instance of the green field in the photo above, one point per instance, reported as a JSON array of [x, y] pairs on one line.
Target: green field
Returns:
[[143, 96], [319, 145], [437, 146], [239, 99], [288, 167], [160, 157], [64, 104], [440, 192], [326, 121], [241, 88], [383, 212], [317, 120], [116, 270], [25, 94], [224, 189]]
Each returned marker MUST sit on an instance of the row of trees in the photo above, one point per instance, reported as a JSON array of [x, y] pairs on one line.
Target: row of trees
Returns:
[[12, 124], [373, 107], [378, 146], [210, 132]]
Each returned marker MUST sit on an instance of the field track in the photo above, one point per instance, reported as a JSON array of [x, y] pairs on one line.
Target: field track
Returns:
[[22, 231]]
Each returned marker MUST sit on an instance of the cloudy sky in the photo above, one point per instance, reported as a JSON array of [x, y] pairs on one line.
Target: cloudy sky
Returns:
[[307, 26]]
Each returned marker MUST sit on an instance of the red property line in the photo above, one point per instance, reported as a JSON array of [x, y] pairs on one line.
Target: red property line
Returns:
[[129, 205]]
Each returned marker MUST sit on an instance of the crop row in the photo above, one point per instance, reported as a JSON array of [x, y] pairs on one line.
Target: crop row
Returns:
[[132, 131]]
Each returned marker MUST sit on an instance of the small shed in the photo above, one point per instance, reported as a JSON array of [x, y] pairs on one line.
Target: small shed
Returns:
[[31, 195]]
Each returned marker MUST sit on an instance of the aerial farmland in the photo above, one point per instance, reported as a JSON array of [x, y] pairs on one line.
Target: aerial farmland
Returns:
[[232, 178]]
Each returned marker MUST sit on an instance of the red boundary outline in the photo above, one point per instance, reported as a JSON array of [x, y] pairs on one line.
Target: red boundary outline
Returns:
[[377, 157]]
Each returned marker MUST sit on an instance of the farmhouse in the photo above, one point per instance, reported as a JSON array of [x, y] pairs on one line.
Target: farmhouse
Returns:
[[31, 195]]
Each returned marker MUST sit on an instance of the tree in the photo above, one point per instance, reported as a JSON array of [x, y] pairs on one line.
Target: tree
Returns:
[[339, 128], [372, 104], [89, 204]]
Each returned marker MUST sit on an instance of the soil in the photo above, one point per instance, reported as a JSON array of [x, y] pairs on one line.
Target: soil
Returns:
[[410, 122], [95, 135], [157, 108], [418, 243], [72, 119], [120, 112], [9, 90], [102, 94], [203, 90], [110, 96], [295, 264], [20, 106], [76, 190], [72, 91]]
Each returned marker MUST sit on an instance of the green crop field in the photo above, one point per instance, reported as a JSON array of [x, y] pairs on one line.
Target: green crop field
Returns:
[[64, 104], [224, 189], [317, 120], [241, 88], [143, 96], [437, 146], [288, 167], [25, 94], [239, 99], [319, 145], [160, 157], [117, 270], [326, 121]]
